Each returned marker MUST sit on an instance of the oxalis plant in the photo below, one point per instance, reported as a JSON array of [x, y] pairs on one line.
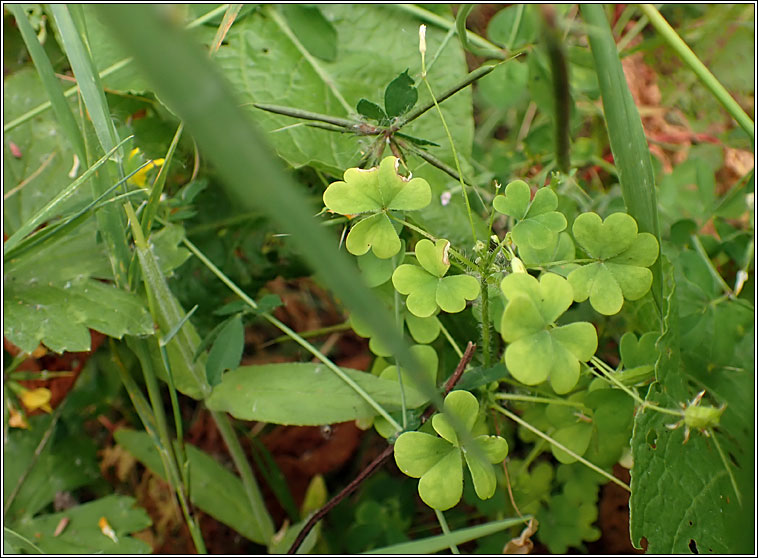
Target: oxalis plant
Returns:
[[526, 338]]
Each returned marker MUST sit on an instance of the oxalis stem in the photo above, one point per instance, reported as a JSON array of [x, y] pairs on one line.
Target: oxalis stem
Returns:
[[379, 460]]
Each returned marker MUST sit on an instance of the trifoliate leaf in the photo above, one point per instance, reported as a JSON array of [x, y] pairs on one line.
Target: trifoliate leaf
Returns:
[[537, 350], [427, 290], [622, 259], [438, 462], [377, 190], [538, 222]]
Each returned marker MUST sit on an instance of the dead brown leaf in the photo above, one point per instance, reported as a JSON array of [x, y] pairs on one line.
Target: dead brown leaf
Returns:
[[523, 543]]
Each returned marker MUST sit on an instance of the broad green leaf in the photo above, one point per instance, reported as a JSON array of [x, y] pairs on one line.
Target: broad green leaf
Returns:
[[400, 95], [312, 29], [622, 258], [258, 50], [52, 296], [213, 488], [683, 495], [538, 222], [441, 542], [303, 394], [82, 535], [226, 352], [67, 463]]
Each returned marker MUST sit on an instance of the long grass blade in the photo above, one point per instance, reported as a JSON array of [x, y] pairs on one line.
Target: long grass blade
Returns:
[[86, 77], [441, 542], [627, 137], [49, 81], [701, 71]]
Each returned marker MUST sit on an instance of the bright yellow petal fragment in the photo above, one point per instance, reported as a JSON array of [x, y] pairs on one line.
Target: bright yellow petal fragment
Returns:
[[37, 399], [107, 530], [140, 177]]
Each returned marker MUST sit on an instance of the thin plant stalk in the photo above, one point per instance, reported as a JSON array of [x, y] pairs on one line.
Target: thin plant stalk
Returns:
[[706, 77], [445, 529], [449, 135], [514, 417]]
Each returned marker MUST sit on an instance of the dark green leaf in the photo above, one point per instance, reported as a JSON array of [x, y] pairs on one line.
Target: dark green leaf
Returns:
[[400, 95], [371, 110]]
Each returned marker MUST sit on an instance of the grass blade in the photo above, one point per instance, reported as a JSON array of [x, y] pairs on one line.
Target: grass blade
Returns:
[[706, 77], [441, 542], [627, 137], [49, 81], [87, 78]]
